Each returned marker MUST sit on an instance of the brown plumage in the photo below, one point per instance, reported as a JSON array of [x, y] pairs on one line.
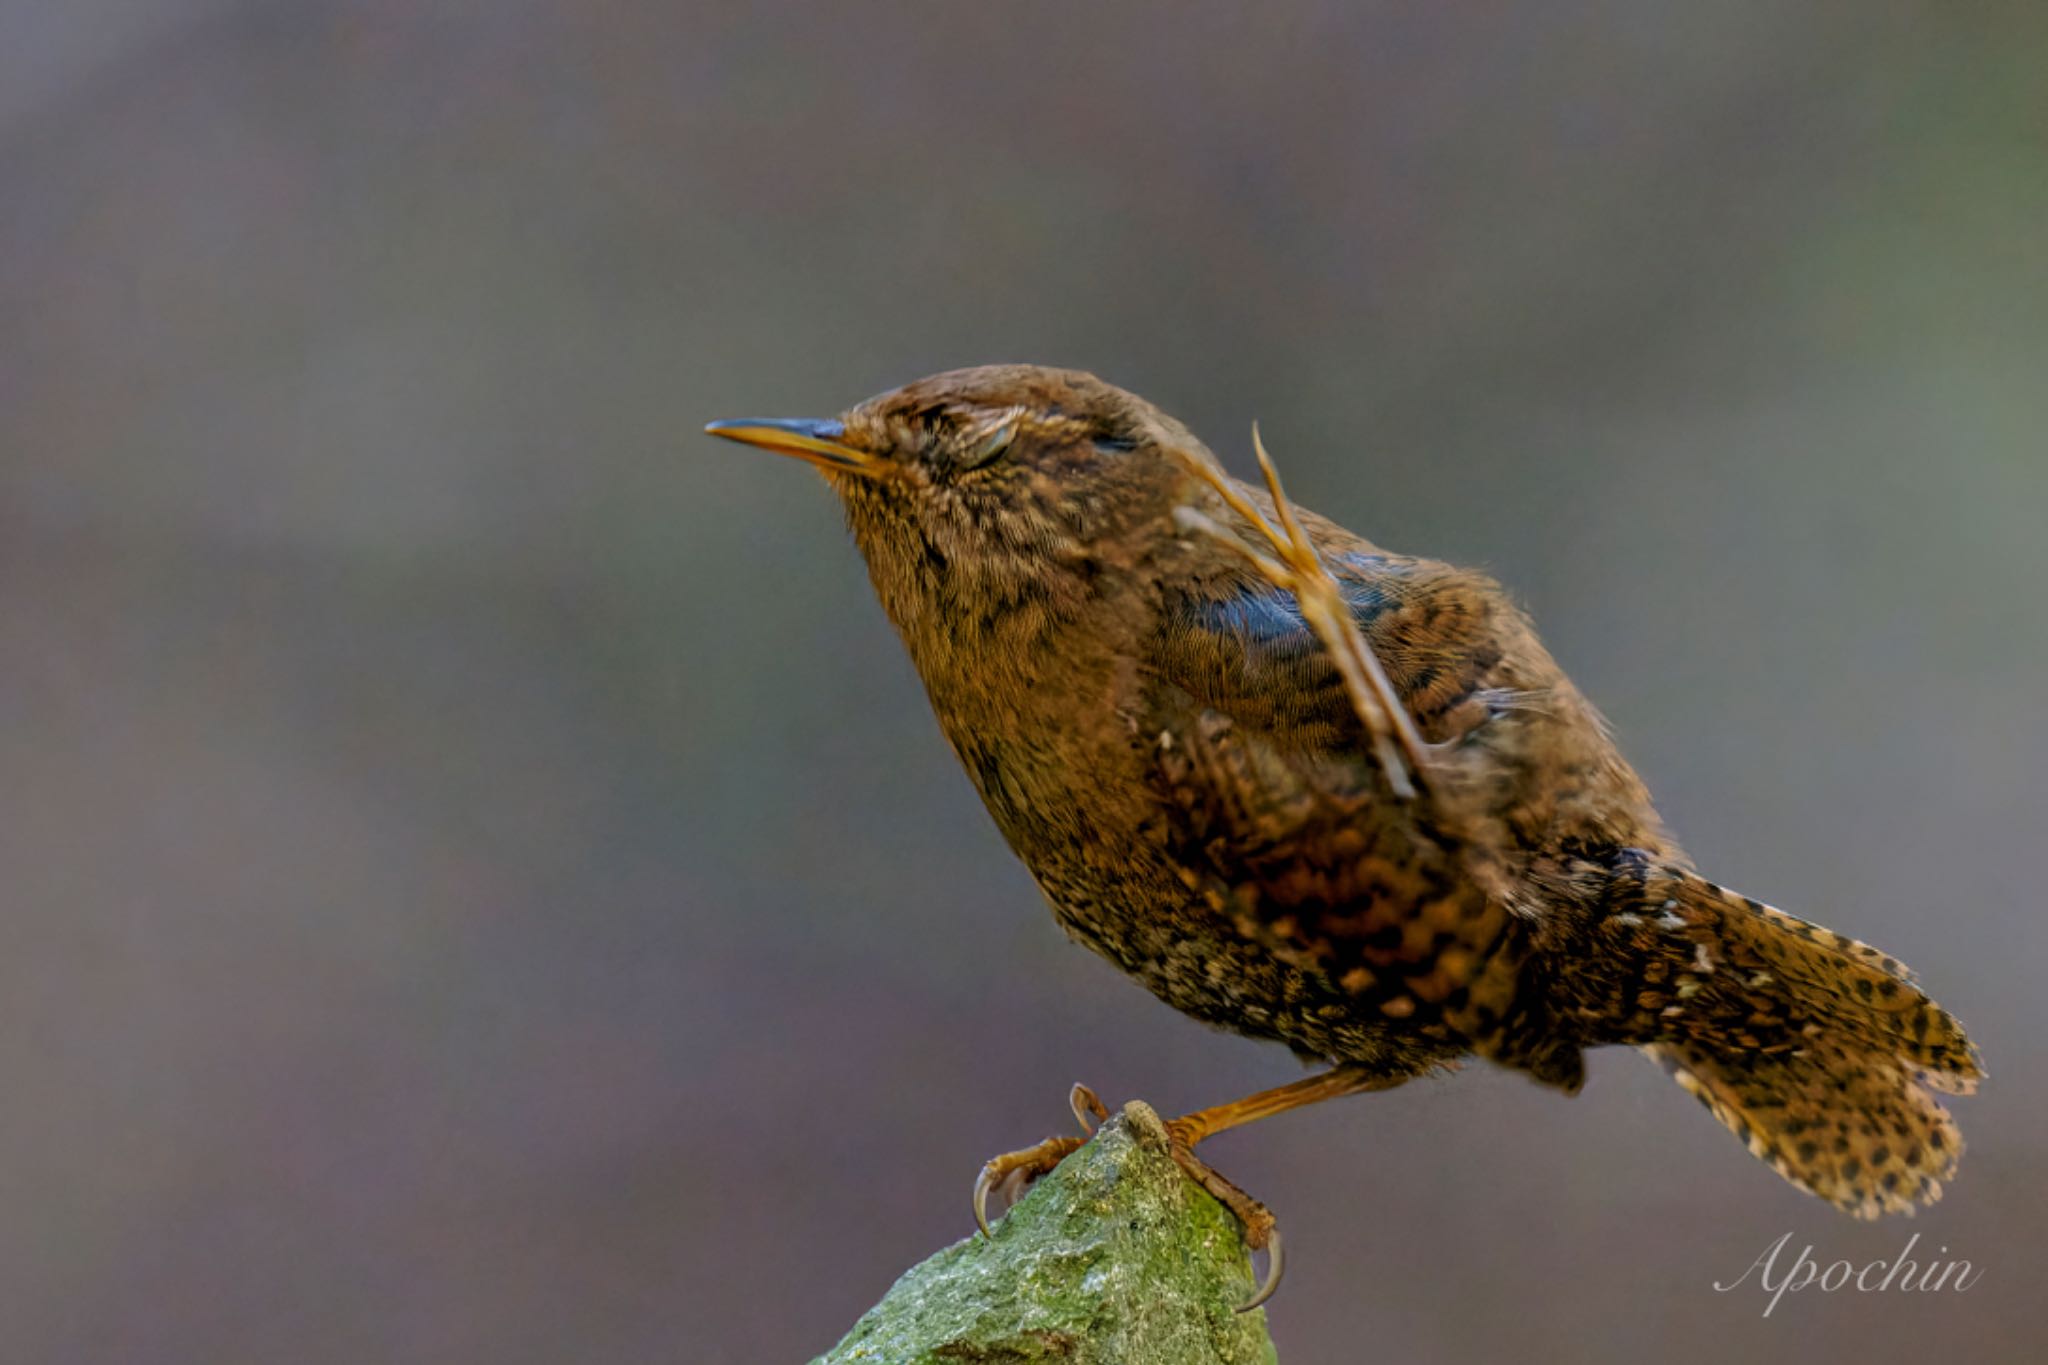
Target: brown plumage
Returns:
[[1137, 678]]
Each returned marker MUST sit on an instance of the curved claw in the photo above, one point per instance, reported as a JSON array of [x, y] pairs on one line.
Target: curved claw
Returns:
[[1086, 1104], [983, 1183], [1014, 1187], [1276, 1265]]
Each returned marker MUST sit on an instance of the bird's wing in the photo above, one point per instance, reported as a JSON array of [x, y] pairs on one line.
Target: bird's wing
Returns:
[[1507, 728], [1290, 829], [1449, 640]]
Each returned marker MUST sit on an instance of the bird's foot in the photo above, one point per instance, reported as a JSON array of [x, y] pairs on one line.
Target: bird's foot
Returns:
[[1012, 1173], [1299, 570], [1261, 1231]]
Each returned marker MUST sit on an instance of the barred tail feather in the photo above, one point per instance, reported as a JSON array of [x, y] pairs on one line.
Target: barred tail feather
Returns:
[[1859, 1131], [1819, 1052], [1860, 992]]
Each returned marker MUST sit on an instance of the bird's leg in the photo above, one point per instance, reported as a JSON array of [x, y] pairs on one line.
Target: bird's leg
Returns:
[[1342, 1080], [1299, 570], [1261, 1233]]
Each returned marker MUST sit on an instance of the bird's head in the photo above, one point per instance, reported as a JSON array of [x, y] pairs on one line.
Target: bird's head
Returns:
[[1001, 480]]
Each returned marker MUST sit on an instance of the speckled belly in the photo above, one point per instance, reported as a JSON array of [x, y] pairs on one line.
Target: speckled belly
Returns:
[[1145, 920]]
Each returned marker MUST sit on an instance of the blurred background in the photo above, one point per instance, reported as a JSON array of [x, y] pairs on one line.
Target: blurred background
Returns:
[[481, 881]]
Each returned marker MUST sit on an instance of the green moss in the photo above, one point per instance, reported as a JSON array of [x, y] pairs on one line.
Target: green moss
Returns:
[[1116, 1258]]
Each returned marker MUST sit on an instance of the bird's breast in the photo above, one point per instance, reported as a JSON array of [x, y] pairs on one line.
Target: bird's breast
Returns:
[[1058, 764]]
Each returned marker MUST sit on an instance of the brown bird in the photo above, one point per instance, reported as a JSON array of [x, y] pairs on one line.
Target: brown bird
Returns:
[[1312, 790]]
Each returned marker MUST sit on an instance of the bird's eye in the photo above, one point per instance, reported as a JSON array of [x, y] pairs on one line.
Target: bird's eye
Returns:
[[1113, 443], [928, 428], [987, 448]]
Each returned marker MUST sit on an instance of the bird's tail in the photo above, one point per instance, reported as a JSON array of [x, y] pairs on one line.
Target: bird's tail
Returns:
[[1819, 1052]]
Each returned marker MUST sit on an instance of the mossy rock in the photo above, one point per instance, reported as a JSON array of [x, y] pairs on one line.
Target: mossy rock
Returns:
[[1116, 1258]]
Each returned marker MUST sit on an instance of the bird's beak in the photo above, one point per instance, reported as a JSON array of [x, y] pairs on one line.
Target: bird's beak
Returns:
[[822, 443]]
